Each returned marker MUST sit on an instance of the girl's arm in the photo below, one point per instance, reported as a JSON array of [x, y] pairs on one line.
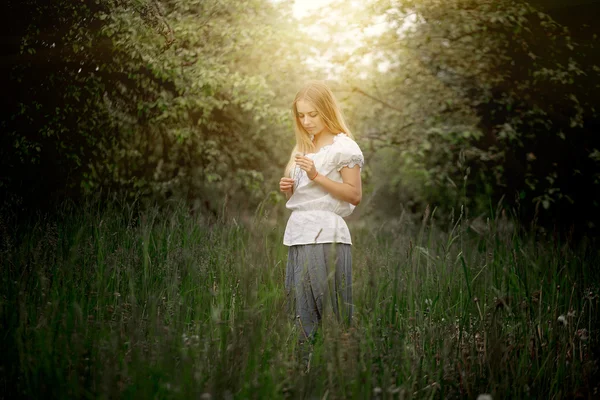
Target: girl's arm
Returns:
[[349, 190]]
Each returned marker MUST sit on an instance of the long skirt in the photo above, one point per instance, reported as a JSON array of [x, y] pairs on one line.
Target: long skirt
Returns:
[[319, 281]]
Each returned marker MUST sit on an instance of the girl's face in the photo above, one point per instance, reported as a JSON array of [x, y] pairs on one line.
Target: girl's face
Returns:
[[309, 117]]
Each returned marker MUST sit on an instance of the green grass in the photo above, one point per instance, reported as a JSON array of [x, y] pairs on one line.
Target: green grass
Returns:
[[163, 304]]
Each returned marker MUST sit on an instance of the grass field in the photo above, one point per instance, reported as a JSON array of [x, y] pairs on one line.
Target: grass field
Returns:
[[120, 303]]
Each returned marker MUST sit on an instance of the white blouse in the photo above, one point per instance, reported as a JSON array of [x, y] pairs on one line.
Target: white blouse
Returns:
[[317, 215]]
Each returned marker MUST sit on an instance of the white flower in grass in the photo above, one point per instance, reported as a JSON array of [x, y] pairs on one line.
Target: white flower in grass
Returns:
[[582, 334], [562, 320]]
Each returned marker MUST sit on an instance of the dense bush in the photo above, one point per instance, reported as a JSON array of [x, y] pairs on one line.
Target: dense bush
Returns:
[[165, 99], [461, 102], [481, 101]]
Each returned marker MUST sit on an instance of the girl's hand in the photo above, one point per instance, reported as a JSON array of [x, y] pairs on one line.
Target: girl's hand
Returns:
[[286, 185], [307, 165]]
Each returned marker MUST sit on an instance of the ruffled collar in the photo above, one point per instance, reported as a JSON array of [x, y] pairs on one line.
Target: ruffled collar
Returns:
[[335, 139]]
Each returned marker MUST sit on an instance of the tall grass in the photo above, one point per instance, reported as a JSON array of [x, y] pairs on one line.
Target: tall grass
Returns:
[[117, 302]]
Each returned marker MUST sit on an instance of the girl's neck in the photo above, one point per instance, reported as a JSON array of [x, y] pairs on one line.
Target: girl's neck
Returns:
[[322, 139]]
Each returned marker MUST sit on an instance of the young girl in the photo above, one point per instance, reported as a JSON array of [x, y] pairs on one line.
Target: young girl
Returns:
[[322, 183]]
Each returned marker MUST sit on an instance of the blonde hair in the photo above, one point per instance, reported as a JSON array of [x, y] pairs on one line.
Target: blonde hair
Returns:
[[321, 97]]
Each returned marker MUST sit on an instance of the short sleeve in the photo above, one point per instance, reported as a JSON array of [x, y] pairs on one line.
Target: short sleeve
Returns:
[[348, 154]]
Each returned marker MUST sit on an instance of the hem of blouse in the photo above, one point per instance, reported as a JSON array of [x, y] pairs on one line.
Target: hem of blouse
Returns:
[[304, 244]]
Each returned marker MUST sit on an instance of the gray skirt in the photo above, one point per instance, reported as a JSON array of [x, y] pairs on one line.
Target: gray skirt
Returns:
[[319, 281]]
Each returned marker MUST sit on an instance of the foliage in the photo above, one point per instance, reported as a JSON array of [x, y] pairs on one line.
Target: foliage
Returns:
[[482, 99], [164, 98], [461, 102], [122, 303]]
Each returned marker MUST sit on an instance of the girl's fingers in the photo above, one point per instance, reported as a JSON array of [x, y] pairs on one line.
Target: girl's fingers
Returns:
[[304, 165], [303, 160]]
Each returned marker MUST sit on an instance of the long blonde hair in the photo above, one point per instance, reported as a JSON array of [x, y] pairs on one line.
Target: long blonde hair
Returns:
[[321, 97]]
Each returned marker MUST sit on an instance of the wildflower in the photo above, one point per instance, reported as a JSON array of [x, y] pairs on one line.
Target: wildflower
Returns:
[[589, 294], [562, 320], [582, 334]]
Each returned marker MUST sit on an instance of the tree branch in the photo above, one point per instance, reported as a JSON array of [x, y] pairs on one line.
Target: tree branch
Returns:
[[385, 103]]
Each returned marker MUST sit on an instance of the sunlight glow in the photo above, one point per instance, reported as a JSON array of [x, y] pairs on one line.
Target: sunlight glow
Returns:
[[347, 41], [303, 7]]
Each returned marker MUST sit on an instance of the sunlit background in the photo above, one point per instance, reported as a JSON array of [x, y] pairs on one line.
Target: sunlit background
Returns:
[[351, 29], [302, 8]]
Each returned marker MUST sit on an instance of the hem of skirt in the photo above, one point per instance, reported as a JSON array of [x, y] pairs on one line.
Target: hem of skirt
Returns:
[[319, 242]]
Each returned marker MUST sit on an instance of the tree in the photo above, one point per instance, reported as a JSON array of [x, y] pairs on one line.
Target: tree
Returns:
[[163, 98], [496, 94]]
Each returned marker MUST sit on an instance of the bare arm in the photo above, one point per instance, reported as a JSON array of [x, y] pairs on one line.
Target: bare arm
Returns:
[[349, 190]]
